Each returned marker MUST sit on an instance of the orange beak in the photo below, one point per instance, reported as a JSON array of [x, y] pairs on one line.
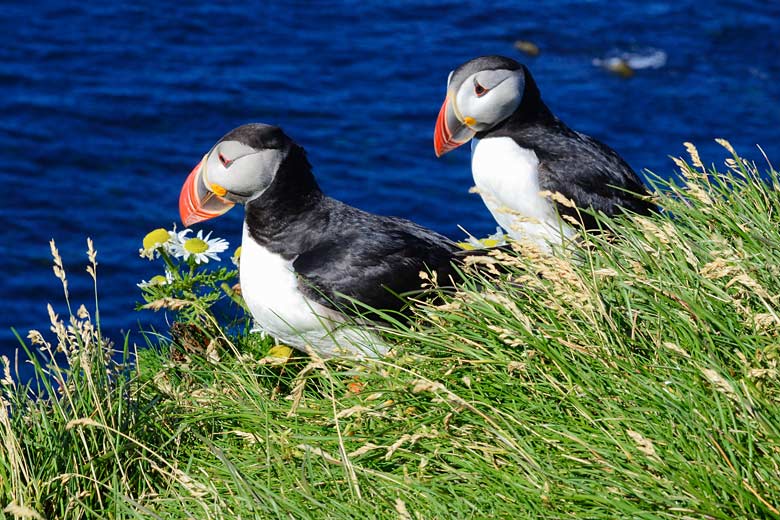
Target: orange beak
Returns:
[[196, 202], [450, 131]]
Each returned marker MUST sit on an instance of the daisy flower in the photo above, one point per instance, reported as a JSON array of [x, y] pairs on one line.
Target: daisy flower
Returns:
[[236, 258], [496, 239], [198, 247], [153, 241], [157, 280], [158, 240]]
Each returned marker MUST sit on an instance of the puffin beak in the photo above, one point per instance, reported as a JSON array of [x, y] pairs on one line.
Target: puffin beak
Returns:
[[450, 131], [198, 203]]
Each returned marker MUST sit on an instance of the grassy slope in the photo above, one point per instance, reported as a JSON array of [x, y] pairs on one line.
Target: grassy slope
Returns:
[[638, 380]]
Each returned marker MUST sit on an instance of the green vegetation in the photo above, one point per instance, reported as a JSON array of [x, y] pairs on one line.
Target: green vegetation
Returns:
[[636, 379]]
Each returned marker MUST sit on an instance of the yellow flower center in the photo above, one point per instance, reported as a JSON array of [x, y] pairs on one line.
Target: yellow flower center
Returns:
[[156, 238], [158, 280], [196, 245], [280, 351], [237, 252]]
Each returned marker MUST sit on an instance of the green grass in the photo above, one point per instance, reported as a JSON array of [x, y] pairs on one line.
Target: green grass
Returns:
[[637, 378]]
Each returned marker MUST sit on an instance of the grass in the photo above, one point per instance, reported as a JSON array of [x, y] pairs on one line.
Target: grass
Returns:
[[637, 378]]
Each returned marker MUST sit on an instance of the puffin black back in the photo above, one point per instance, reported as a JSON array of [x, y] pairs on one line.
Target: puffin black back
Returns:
[[342, 253]]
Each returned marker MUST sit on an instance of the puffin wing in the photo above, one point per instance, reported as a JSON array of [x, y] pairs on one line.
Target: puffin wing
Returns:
[[374, 267], [594, 176]]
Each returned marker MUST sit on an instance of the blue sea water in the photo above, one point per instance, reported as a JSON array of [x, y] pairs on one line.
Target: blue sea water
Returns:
[[106, 107]]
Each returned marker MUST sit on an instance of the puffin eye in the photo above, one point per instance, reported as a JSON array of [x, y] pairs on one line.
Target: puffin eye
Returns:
[[224, 160], [479, 90]]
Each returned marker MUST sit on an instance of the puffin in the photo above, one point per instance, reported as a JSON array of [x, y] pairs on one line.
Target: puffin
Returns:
[[311, 266], [522, 155]]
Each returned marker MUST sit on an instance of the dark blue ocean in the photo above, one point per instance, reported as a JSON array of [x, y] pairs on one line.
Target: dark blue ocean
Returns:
[[105, 108]]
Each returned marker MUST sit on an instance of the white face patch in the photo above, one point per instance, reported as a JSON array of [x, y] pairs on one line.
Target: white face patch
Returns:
[[507, 179], [240, 169], [503, 91], [270, 289]]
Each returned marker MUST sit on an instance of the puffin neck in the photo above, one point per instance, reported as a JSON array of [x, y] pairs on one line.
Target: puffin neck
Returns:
[[532, 110], [291, 198]]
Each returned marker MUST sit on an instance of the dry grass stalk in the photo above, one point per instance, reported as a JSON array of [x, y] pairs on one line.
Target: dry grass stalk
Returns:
[[507, 336], [765, 322], [327, 457], [720, 384], [554, 276], [748, 282], [408, 438], [680, 163], [369, 446], [348, 412], [251, 438], [727, 145], [92, 255], [195, 488], [697, 192], [59, 270], [718, 268], [559, 198], [423, 385], [19, 511], [665, 234], [173, 304], [7, 379], [643, 444], [674, 347], [84, 421], [400, 508], [694, 153]]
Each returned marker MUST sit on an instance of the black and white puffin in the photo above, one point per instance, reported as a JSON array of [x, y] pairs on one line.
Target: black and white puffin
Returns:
[[305, 257], [519, 149]]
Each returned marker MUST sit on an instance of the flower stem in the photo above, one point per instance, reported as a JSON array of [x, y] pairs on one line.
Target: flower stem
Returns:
[[171, 266]]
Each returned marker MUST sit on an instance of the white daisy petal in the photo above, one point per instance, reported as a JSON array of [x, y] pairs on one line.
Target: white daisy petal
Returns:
[[201, 248]]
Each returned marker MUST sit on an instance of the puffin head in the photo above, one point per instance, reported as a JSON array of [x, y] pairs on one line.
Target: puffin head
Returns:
[[239, 168], [480, 94]]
